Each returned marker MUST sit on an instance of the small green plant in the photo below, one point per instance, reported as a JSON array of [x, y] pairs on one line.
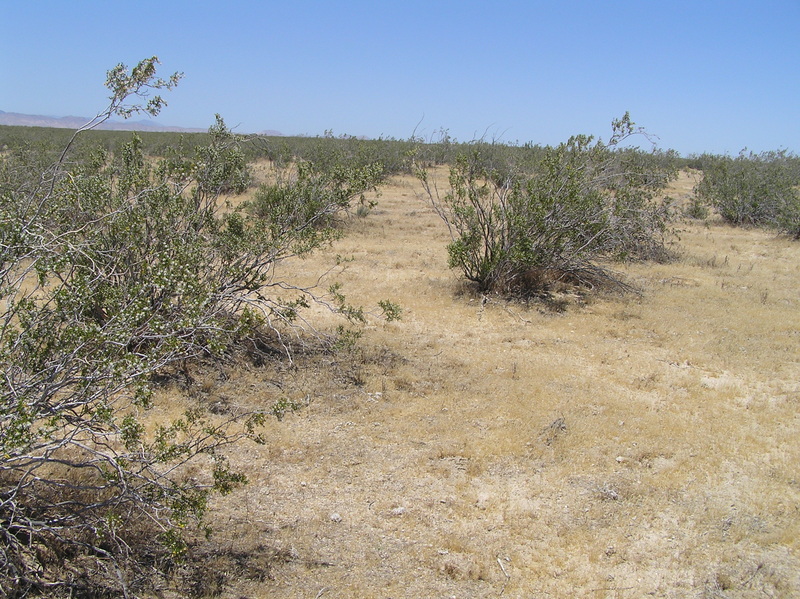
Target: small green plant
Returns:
[[391, 311], [346, 339], [284, 405], [696, 208]]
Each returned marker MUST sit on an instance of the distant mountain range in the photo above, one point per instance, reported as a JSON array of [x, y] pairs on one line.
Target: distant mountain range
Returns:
[[75, 122]]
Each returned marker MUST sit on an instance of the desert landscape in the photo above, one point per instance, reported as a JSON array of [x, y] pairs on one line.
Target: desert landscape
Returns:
[[208, 393], [434, 301], [609, 445]]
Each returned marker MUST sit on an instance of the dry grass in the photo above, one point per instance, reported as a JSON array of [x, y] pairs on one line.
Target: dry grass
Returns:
[[628, 447]]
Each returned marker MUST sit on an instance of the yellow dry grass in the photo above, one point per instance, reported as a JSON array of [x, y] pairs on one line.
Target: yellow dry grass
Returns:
[[628, 447]]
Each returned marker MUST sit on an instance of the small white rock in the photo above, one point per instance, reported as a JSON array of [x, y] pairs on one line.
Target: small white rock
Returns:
[[335, 517], [398, 511]]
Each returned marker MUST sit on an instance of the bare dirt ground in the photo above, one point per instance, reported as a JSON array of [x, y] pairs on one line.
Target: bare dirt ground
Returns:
[[628, 446]]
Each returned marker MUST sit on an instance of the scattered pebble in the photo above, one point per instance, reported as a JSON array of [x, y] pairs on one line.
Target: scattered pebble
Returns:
[[335, 517]]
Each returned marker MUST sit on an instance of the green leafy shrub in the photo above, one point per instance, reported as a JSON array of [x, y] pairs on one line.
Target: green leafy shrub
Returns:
[[754, 189], [113, 272], [696, 208], [299, 211], [518, 233]]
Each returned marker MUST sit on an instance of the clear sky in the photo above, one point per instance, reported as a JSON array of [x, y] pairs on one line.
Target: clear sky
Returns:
[[702, 76]]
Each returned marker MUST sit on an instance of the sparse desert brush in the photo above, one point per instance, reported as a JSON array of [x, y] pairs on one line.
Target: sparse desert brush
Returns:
[[632, 445]]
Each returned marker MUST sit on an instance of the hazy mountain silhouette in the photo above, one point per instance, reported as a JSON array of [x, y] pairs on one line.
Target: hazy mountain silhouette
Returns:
[[74, 122]]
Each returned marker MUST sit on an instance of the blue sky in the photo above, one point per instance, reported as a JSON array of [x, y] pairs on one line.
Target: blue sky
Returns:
[[702, 76]]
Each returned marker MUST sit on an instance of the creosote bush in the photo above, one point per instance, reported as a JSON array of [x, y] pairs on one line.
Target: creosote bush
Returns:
[[308, 198], [754, 189], [113, 272], [584, 202]]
